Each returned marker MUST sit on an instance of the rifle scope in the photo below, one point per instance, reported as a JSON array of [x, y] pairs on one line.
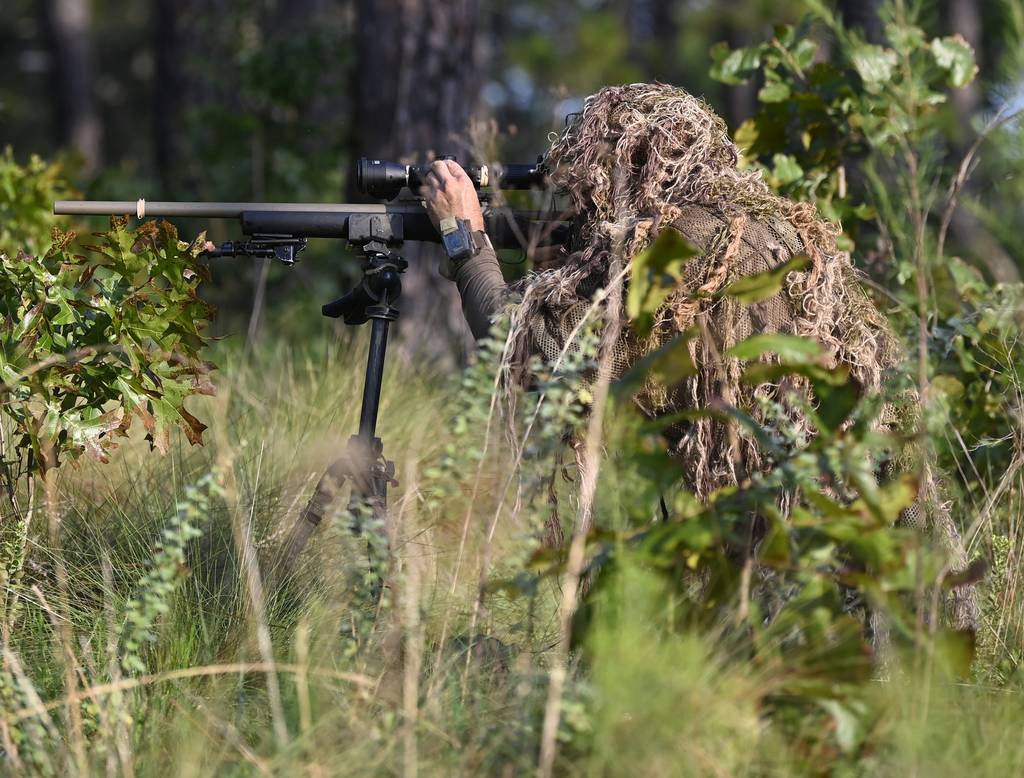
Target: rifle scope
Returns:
[[377, 178]]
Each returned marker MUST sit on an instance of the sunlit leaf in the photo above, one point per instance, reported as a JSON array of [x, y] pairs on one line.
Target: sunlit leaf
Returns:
[[654, 274], [790, 348], [774, 92], [785, 169], [874, 64], [955, 55], [848, 718], [760, 286], [734, 66]]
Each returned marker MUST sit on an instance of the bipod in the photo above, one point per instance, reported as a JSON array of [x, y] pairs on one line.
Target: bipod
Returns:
[[363, 464]]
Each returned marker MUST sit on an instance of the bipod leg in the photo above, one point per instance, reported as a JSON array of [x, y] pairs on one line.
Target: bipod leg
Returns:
[[367, 504], [370, 475], [363, 463], [369, 496], [327, 489]]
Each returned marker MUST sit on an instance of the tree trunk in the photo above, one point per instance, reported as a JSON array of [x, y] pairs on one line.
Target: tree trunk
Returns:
[[965, 18], [652, 29], [417, 78], [168, 91], [862, 15], [76, 118]]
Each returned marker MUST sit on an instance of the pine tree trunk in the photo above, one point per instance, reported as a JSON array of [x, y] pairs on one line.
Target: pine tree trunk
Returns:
[[416, 85], [862, 15], [168, 91], [652, 28], [77, 120]]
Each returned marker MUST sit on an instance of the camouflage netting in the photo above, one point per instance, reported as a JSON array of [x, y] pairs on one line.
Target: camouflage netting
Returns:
[[645, 157]]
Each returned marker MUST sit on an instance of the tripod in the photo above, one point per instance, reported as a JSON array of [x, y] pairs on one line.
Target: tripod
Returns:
[[377, 237]]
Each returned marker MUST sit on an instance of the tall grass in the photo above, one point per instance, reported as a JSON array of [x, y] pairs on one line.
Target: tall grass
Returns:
[[445, 675]]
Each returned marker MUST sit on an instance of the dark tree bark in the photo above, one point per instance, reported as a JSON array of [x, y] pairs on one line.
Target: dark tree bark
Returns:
[[416, 75], [652, 31], [862, 15], [168, 90], [416, 81], [77, 121], [965, 18], [740, 100]]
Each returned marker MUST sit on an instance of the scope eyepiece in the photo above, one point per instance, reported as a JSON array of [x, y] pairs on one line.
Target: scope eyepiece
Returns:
[[384, 180]]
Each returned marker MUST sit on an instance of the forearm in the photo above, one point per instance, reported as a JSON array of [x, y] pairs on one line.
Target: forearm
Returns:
[[483, 290], [448, 194]]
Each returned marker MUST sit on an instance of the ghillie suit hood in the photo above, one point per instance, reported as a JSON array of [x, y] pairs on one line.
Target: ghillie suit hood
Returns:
[[646, 157]]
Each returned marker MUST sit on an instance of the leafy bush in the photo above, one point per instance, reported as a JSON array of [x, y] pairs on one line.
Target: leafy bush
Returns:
[[863, 135], [27, 193], [837, 131], [91, 338], [835, 586]]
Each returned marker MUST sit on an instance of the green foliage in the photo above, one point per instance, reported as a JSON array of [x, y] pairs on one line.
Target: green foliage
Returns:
[[32, 740], [760, 286], [472, 417], [788, 347], [977, 374], [595, 53], [27, 193], [270, 121], [92, 340], [649, 692], [659, 691], [691, 659], [151, 599], [801, 608], [864, 135], [654, 273], [818, 119]]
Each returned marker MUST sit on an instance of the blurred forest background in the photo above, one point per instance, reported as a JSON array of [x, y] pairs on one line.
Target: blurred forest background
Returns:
[[872, 110], [271, 100]]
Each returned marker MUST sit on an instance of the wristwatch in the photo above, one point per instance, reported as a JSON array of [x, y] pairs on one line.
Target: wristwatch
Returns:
[[460, 242]]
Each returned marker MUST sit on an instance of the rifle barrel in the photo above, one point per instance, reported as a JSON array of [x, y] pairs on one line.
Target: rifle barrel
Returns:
[[167, 209], [506, 228]]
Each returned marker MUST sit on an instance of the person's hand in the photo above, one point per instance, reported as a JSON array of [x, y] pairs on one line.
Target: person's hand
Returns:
[[447, 191]]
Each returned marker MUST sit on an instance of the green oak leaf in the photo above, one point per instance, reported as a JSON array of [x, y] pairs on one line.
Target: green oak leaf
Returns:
[[654, 273], [793, 349], [760, 286]]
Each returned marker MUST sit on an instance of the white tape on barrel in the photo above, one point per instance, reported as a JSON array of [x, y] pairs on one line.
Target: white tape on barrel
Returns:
[[140, 209]]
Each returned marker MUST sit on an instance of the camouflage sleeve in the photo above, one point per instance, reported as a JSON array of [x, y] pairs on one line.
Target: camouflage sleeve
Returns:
[[483, 290]]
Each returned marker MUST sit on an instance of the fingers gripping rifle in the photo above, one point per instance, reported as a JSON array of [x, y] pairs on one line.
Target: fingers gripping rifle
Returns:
[[376, 231]]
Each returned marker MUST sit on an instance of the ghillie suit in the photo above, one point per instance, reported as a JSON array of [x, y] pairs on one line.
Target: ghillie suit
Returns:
[[645, 157]]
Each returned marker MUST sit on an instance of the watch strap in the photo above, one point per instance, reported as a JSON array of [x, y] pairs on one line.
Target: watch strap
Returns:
[[481, 241]]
